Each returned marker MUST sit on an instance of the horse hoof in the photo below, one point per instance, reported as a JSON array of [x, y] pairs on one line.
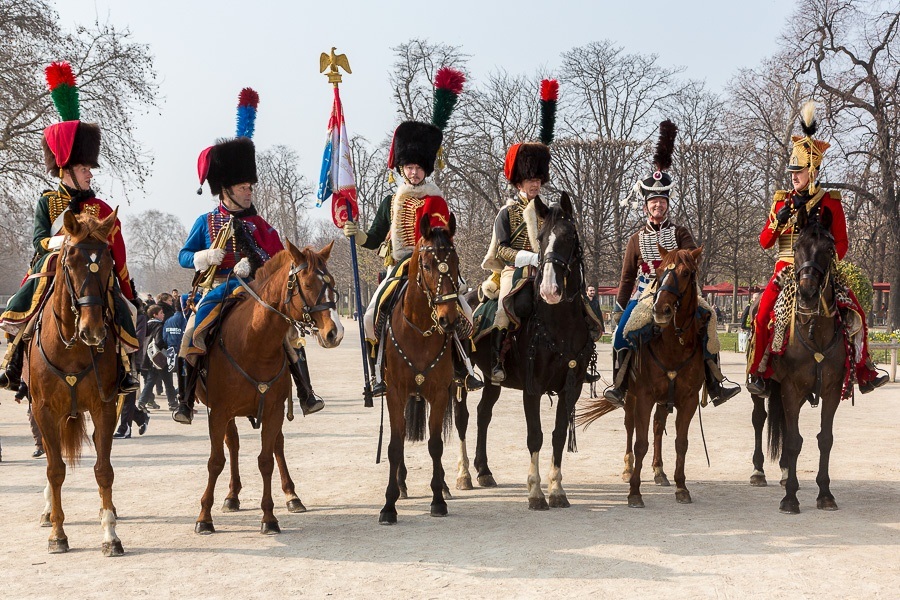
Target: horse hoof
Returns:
[[661, 480], [45, 520], [403, 494], [267, 528], [783, 483], [826, 504], [231, 505], [487, 480], [790, 507], [387, 518], [446, 493], [538, 504], [58, 546], [635, 501], [113, 548], [683, 497], [204, 527], [438, 510], [758, 481], [464, 483], [559, 501], [295, 506], [626, 476]]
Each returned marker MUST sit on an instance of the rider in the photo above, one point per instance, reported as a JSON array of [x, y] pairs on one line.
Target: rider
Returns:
[[639, 265], [781, 227], [230, 168], [395, 229], [71, 150]]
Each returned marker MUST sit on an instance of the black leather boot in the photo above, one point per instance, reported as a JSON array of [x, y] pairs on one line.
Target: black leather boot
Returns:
[[378, 386], [615, 394], [498, 374], [718, 393], [11, 376], [127, 381], [869, 386], [185, 411], [461, 372], [309, 402]]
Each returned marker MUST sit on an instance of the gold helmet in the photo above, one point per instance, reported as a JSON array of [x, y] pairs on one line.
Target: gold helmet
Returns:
[[808, 152]]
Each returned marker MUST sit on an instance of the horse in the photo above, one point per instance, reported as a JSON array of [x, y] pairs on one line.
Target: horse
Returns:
[[667, 371], [550, 353], [419, 361], [812, 367], [71, 368], [248, 372]]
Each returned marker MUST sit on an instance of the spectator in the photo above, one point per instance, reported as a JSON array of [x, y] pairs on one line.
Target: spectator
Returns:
[[173, 332], [155, 365], [594, 302], [746, 324]]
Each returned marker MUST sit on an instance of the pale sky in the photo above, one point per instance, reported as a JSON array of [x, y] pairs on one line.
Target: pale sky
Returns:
[[206, 51]]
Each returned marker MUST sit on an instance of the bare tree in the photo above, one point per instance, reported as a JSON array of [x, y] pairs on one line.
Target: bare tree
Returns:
[[283, 195], [154, 239]]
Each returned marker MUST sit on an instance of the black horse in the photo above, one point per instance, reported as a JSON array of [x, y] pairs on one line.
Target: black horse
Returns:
[[549, 353], [812, 367]]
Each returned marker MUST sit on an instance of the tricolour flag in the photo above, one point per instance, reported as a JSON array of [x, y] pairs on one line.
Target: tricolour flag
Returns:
[[337, 179]]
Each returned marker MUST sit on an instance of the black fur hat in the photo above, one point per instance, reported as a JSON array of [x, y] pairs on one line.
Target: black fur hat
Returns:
[[231, 162], [527, 161], [415, 143], [85, 148]]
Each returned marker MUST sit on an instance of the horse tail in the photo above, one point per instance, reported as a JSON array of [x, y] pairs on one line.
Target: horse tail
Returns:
[[592, 410], [447, 427], [415, 418], [72, 435], [776, 422]]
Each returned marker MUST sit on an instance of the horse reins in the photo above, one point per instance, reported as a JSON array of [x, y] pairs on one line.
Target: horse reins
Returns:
[[675, 290], [830, 311], [436, 298]]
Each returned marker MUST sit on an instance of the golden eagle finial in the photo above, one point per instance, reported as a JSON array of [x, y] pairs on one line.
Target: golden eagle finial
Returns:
[[334, 61]]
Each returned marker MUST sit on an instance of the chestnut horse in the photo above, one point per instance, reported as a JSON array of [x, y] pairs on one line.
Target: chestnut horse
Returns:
[[419, 361], [811, 367], [71, 368], [668, 371], [549, 353], [247, 374]]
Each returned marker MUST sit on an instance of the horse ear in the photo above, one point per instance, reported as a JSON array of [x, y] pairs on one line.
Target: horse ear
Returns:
[[325, 252], [451, 226], [425, 226], [662, 252], [696, 253], [291, 248], [566, 203], [70, 222], [540, 207], [108, 224], [827, 218]]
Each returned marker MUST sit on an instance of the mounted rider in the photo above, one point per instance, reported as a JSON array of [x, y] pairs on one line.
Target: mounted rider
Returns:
[[229, 242], [783, 227], [71, 149], [513, 252], [395, 229], [638, 279]]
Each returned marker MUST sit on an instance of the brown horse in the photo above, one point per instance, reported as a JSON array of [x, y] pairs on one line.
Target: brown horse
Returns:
[[71, 368], [812, 367], [668, 371], [419, 361], [247, 374]]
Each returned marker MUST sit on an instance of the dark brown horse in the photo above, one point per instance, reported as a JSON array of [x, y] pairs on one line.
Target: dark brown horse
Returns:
[[71, 368], [248, 374], [668, 371], [812, 367], [419, 361], [550, 353]]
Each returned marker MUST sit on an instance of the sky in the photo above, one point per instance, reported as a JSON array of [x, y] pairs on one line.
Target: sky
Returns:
[[206, 51]]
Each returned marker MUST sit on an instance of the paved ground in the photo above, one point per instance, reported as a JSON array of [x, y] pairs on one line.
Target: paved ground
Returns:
[[731, 542]]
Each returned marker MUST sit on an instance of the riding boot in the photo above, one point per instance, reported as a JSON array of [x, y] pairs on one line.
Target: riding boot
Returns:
[[127, 382], [615, 394], [877, 382], [758, 385], [11, 376], [185, 411], [179, 381], [378, 386], [309, 402], [498, 374], [461, 373], [718, 393]]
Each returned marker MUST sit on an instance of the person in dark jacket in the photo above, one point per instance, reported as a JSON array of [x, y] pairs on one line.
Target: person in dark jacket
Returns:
[[172, 334], [156, 371]]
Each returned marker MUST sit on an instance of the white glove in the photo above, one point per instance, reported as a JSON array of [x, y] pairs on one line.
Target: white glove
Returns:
[[204, 259], [55, 242], [525, 258], [242, 269], [351, 228]]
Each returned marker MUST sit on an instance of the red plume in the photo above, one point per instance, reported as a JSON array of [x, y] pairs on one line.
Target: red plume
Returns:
[[449, 79], [248, 97], [549, 89], [59, 73]]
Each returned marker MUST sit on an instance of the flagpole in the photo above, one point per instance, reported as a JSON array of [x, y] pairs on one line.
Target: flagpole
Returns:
[[335, 77]]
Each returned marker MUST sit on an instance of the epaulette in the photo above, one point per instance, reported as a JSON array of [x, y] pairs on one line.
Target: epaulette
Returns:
[[779, 196], [835, 194]]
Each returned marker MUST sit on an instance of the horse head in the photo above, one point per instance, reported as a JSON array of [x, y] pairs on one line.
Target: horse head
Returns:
[[436, 268], [86, 265], [814, 253], [311, 295], [559, 277], [677, 277]]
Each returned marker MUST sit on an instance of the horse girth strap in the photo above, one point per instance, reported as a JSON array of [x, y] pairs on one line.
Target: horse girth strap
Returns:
[[671, 374], [262, 387]]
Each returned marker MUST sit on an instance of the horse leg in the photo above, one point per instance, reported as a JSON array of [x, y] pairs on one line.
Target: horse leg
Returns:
[[489, 395], [555, 489], [793, 443], [232, 441], [436, 450], [273, 421], [682, 425], [758, 478], [825, 501], [217, 428], [56, 474], [629, 441], [641, 445], [104, 425], [659, 428], [388, 515], [294, 504], [461, 410], [536, 499], [401, 478]]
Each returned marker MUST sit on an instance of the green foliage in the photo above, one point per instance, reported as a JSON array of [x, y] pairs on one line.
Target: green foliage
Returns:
[[854, 277]]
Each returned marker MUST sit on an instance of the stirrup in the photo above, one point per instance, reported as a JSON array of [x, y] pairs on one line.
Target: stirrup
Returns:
[[473, 383], [758, 386], [308, 408], [614, 396], [183, 414]]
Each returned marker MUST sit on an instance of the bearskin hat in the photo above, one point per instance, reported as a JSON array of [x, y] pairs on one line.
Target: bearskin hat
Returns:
[[415, 143], [530, 160], [84, 149], [228, 163]]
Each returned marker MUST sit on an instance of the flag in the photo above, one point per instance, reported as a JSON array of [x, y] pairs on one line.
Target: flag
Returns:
[[337, 179]]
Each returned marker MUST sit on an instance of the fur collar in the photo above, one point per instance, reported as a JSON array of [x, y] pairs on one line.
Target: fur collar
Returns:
[[405, 191]]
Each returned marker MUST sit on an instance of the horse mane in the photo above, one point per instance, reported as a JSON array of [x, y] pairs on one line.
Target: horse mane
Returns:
[[440, 237], [680, 256], [90, 223], [554, 213], [272, 265]]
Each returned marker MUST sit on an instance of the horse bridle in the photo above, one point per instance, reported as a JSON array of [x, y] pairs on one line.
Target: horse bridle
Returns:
[[435, 298], [675, 290], [92, 252], [574, 259], [812, 268]]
